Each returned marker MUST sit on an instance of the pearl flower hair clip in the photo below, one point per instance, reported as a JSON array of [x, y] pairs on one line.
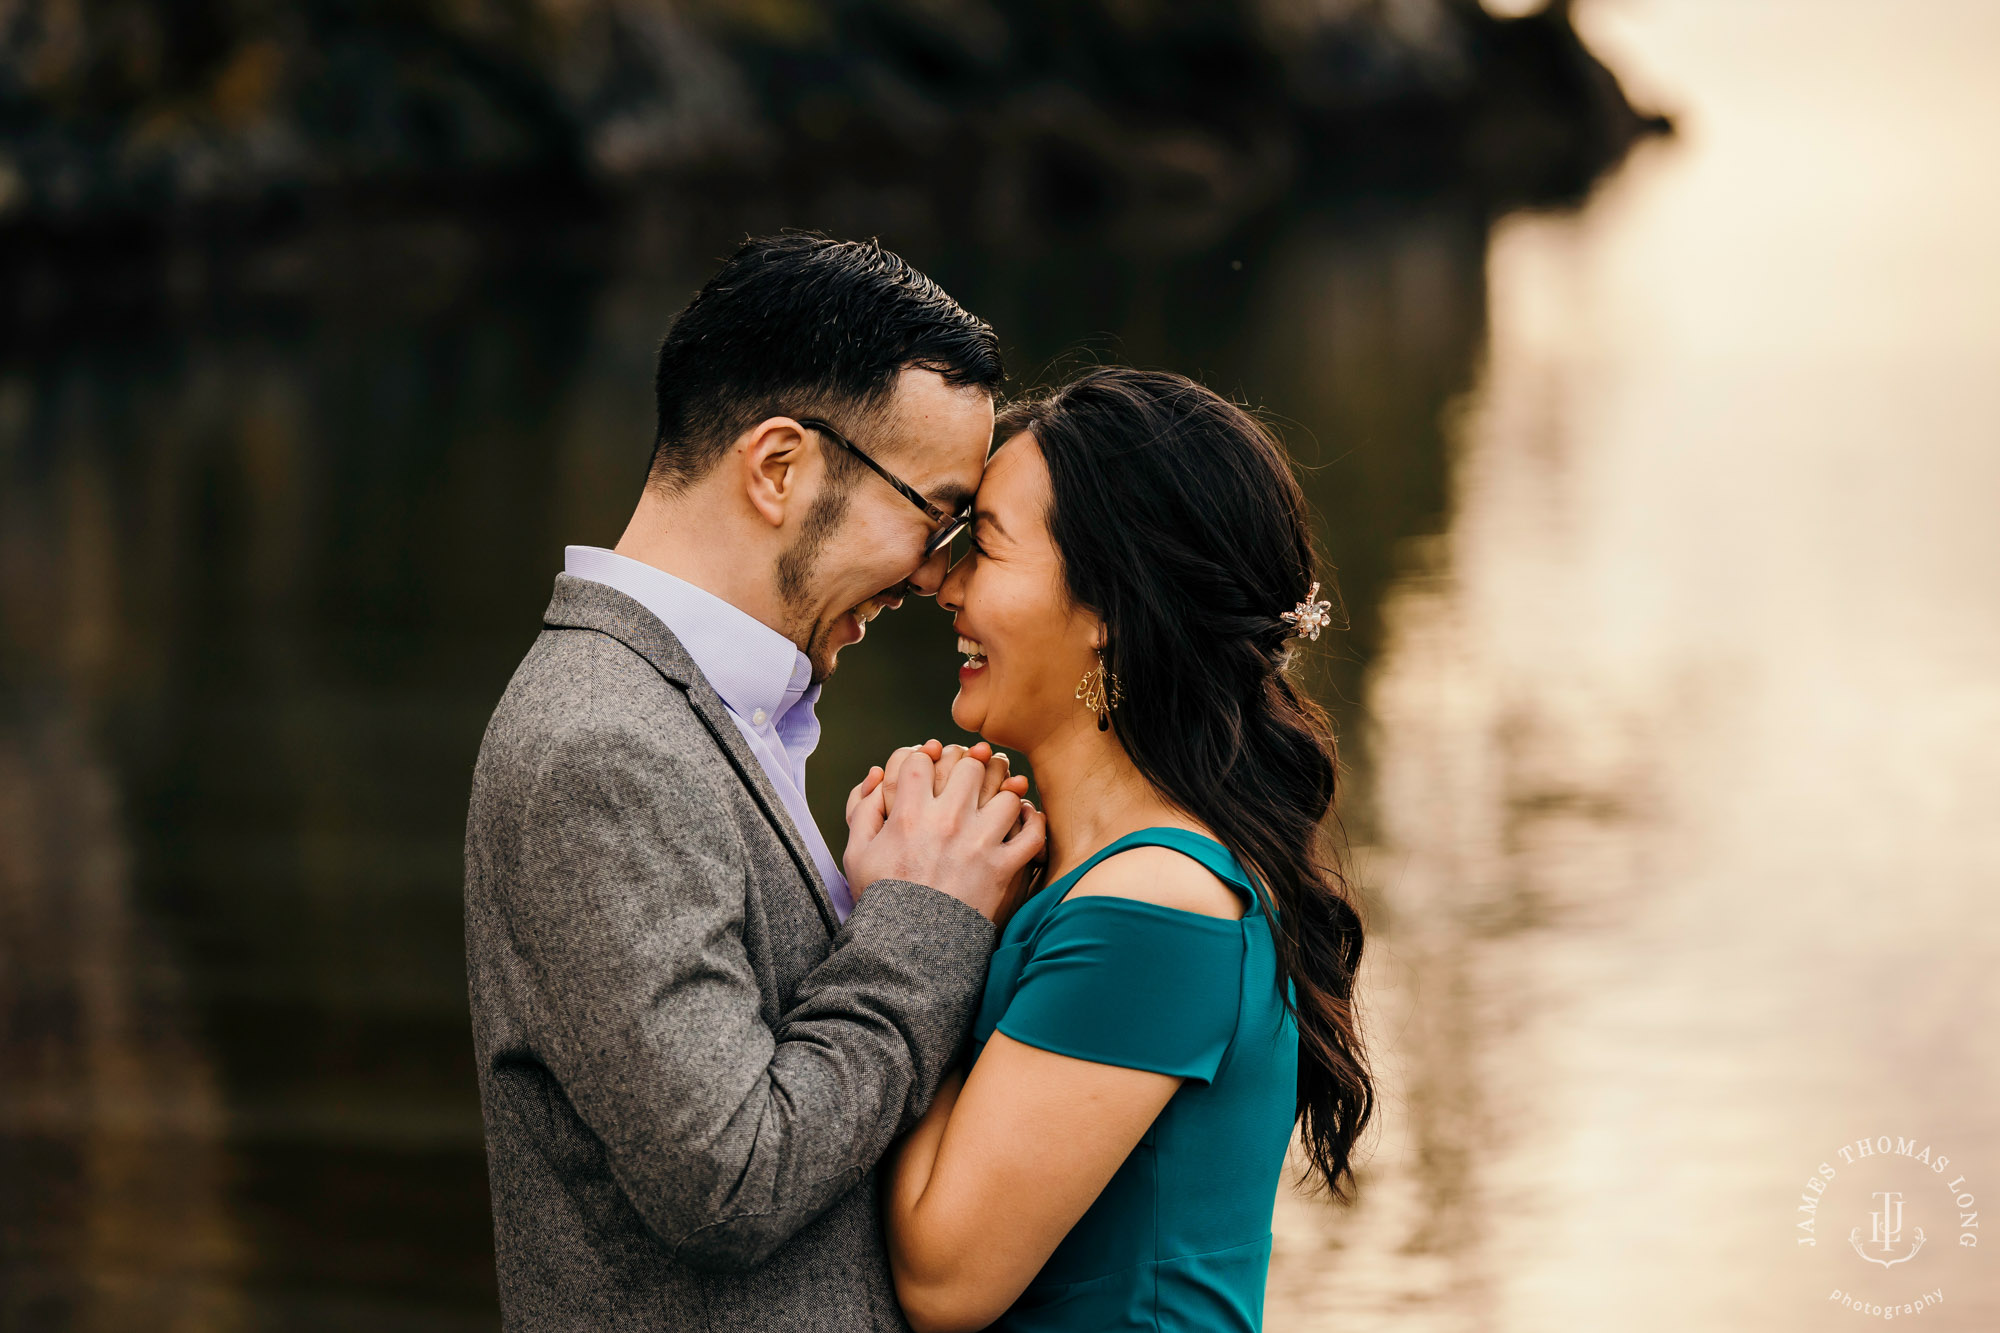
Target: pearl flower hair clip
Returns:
[[1309, 617]]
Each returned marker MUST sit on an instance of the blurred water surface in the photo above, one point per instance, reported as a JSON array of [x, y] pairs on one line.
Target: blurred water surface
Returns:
[[1672, 702], [267, 566], [1685, 733]]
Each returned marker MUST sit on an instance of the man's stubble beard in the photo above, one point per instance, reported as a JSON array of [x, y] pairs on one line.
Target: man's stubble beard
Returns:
[[796, 566]]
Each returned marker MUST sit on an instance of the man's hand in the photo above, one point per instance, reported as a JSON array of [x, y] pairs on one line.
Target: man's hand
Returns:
[[953, 819]]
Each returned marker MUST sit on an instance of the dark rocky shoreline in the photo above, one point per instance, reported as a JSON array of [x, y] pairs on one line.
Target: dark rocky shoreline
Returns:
[[996, 118]]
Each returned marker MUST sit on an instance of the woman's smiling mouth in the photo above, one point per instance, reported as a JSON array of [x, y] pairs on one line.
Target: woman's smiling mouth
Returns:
[[975, 654]]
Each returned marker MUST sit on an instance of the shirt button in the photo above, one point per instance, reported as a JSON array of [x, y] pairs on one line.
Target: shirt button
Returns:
[[759, 718]]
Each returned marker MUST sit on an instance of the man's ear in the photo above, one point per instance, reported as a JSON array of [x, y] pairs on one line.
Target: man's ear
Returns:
[[778, 465]]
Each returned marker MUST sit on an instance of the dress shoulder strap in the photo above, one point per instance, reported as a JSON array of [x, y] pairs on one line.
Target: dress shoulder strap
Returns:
[[1213, 856]]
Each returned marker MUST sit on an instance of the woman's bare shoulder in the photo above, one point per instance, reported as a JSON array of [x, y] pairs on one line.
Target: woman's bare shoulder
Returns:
[[1162, 876]]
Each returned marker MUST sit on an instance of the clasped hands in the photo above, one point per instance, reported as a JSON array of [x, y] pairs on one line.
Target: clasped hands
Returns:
[[952, 817]]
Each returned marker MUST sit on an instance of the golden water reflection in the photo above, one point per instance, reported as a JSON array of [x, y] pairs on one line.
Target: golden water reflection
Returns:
[[1686, 736]]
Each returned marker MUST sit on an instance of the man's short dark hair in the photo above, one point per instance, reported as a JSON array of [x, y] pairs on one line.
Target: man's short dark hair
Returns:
[[802, 323]]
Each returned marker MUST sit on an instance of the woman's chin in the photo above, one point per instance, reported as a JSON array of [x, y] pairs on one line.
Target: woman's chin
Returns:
[[963, 715]]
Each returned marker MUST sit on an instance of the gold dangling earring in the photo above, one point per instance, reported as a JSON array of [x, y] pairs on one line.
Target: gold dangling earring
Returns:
[[1099, 691]]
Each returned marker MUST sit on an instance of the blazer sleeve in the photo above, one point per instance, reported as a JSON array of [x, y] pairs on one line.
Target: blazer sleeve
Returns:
[[728, 1133]]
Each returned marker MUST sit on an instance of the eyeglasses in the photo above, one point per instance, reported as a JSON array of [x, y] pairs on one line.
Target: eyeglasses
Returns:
[[949, 524]]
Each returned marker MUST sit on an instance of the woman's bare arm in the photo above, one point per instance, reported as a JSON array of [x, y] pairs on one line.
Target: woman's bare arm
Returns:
[[998, 1172], [1003, 1165]]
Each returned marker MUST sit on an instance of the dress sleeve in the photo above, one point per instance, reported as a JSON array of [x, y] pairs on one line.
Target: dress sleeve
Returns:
[[1133, 984]]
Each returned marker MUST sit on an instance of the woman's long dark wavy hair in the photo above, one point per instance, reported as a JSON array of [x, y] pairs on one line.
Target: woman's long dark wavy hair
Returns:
[[1180, 523]]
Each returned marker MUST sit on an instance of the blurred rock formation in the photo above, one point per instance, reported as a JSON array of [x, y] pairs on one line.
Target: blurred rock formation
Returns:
[[1003, 114]]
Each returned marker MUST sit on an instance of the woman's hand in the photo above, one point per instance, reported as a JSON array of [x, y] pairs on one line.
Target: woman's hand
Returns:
[[999, 775], [998, 778]]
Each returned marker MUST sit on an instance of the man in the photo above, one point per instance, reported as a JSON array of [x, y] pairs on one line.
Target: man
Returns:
[[695, 1035]]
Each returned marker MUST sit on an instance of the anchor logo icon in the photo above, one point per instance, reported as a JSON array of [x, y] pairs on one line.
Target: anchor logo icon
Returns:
[[1887, 1231]]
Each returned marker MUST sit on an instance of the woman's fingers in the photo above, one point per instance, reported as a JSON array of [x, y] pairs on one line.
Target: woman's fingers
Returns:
[[998, 774], [995, 778], [947, 763], [1029, 842], [1024, 878], [1001, 777]]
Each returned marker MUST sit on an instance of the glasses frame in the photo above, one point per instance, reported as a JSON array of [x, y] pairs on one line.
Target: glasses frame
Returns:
[[949, 524]]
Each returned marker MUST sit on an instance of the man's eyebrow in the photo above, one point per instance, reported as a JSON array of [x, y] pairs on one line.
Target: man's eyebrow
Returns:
[[953, 498]]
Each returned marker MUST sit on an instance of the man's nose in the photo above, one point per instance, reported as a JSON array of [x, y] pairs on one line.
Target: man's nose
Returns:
[[930, 574]]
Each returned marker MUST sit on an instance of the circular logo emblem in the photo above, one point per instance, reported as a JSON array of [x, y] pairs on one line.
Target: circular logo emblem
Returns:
[[1887, 1223]]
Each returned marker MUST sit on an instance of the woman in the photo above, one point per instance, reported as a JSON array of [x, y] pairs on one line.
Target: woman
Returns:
[[1182, 988]]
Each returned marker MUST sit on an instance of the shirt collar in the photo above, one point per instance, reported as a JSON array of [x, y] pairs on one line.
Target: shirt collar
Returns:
[[750, 665]]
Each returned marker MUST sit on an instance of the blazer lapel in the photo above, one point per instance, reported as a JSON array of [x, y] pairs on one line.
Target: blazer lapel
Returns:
[[581, 604]]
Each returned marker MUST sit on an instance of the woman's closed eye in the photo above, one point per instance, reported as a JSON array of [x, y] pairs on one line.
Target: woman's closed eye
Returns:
[[985, 535]]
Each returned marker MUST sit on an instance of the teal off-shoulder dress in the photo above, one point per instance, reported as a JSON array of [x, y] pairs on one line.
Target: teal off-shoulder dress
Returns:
[[1180, 1240]]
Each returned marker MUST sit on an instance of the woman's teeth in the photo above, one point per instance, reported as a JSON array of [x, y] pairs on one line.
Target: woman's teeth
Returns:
[[975, 652]]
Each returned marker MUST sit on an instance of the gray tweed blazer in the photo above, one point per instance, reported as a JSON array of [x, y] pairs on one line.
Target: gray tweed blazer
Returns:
[[688, 1067]]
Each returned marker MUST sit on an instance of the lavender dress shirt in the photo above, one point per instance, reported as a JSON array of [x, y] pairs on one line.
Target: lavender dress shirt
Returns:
[[762, 678]]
